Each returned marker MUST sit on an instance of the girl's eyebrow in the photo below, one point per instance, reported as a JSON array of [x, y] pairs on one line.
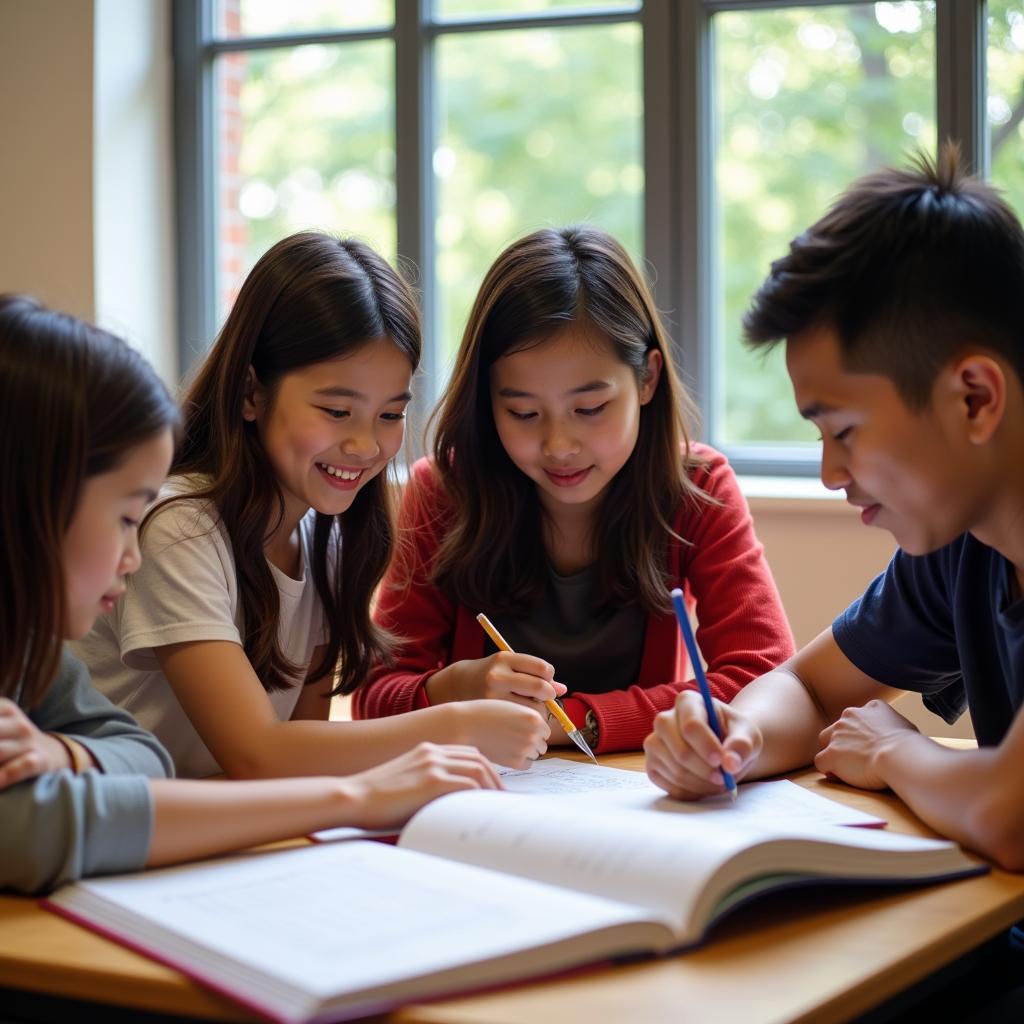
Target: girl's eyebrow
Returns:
[[143, 492], [338, 392], [594, 385]]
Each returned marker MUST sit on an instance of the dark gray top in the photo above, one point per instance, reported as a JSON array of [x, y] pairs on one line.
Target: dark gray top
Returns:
[[59, 827], [592, 652], [949, 625]]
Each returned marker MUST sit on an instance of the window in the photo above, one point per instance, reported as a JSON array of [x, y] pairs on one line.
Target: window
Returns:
[[536, 127], [1005, 100], [304, 138], [806, 100], [702, 133]]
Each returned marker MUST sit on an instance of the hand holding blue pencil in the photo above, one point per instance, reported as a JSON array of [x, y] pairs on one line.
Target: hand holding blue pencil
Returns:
[[702, 680]]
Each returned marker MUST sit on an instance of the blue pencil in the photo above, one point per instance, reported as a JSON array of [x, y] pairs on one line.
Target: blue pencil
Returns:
[[702, 680]]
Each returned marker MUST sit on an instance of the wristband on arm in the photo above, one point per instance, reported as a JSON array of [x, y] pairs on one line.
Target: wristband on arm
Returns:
[[81, 760]]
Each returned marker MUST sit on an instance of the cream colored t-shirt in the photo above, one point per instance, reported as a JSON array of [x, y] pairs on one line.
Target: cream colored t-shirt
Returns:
[[186, 590]]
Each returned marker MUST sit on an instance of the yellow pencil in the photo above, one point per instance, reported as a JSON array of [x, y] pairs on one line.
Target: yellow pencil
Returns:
[[552, 705]]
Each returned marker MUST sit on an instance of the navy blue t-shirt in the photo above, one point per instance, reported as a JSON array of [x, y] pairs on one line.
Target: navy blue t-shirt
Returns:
[[945, 625]]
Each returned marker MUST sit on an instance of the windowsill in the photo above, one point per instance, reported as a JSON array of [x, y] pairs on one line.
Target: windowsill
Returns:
[[792, 494]]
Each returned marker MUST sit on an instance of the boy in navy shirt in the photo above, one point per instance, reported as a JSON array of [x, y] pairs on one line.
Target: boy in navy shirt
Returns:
[[902, 312]]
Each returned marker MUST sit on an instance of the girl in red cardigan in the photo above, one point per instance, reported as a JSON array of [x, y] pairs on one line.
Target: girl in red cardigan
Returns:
[[565, 500]]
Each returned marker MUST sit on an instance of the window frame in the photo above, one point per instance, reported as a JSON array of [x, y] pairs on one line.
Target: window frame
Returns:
[[678, 127]]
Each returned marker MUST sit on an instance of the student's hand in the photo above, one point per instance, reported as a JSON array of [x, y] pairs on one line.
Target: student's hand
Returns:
[[850, 745], [684, 757], [25, 751], [504, 732], [557, 737], [388, 795], [521, 678]]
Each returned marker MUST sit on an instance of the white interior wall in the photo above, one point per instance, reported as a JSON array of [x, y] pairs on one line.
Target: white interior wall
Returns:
[[46, 174], [133, 161], [86, 165]]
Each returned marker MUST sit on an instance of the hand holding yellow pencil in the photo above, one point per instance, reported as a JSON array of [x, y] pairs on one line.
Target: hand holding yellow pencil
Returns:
[[552, 705]]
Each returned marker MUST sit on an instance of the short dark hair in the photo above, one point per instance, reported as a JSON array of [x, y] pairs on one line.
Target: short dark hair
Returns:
[[909, 266]]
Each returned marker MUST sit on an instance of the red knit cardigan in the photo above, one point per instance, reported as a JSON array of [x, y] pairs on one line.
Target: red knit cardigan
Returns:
[[742, 631]]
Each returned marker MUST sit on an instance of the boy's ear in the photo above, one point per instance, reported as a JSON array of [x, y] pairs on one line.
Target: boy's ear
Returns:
[[980, 384], [252, 391], [653, 374]]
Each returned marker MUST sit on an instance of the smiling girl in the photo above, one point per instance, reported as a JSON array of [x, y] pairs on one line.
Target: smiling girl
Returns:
[[87, 434], [565, 500], [264, 551]]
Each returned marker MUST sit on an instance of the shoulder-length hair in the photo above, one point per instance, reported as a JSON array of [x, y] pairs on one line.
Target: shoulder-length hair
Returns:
[[74, 400], [309, 298], [492, 554]]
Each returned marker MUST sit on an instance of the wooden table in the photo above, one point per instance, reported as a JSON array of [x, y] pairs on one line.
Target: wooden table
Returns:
[[821, 955]]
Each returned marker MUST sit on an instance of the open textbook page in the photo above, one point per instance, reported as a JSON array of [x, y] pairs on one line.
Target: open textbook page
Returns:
[[690, 867], [346, 929], [757, 801], [484, 888], [772, 801]]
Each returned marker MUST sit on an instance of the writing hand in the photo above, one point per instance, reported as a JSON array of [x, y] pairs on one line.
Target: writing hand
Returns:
[[684, 756], [520, 678]]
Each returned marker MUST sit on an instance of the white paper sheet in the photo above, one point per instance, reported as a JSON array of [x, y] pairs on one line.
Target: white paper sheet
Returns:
[[773, 802]]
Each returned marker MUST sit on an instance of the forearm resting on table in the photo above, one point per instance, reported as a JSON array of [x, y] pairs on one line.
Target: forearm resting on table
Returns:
[[971, 796], [200, 818], [306, 747], [788, 717], [225, 701]]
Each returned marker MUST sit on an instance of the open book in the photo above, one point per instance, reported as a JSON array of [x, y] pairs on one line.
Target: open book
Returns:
[[763, 802], [483, 888]]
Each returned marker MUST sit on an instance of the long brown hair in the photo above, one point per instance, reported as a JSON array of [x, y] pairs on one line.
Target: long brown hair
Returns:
[[309, 298], [493, 553], [74, 400]]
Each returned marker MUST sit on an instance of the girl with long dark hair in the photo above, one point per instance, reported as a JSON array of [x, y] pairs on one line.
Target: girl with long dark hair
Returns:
[[87, 433], [263, 554], [565, 499]]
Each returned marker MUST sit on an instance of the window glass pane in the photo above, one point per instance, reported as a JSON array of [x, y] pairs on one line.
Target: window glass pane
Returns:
[[275, 17], [806, 100], [305, 141], [497, 8], [1006, 98], [537, 128]]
